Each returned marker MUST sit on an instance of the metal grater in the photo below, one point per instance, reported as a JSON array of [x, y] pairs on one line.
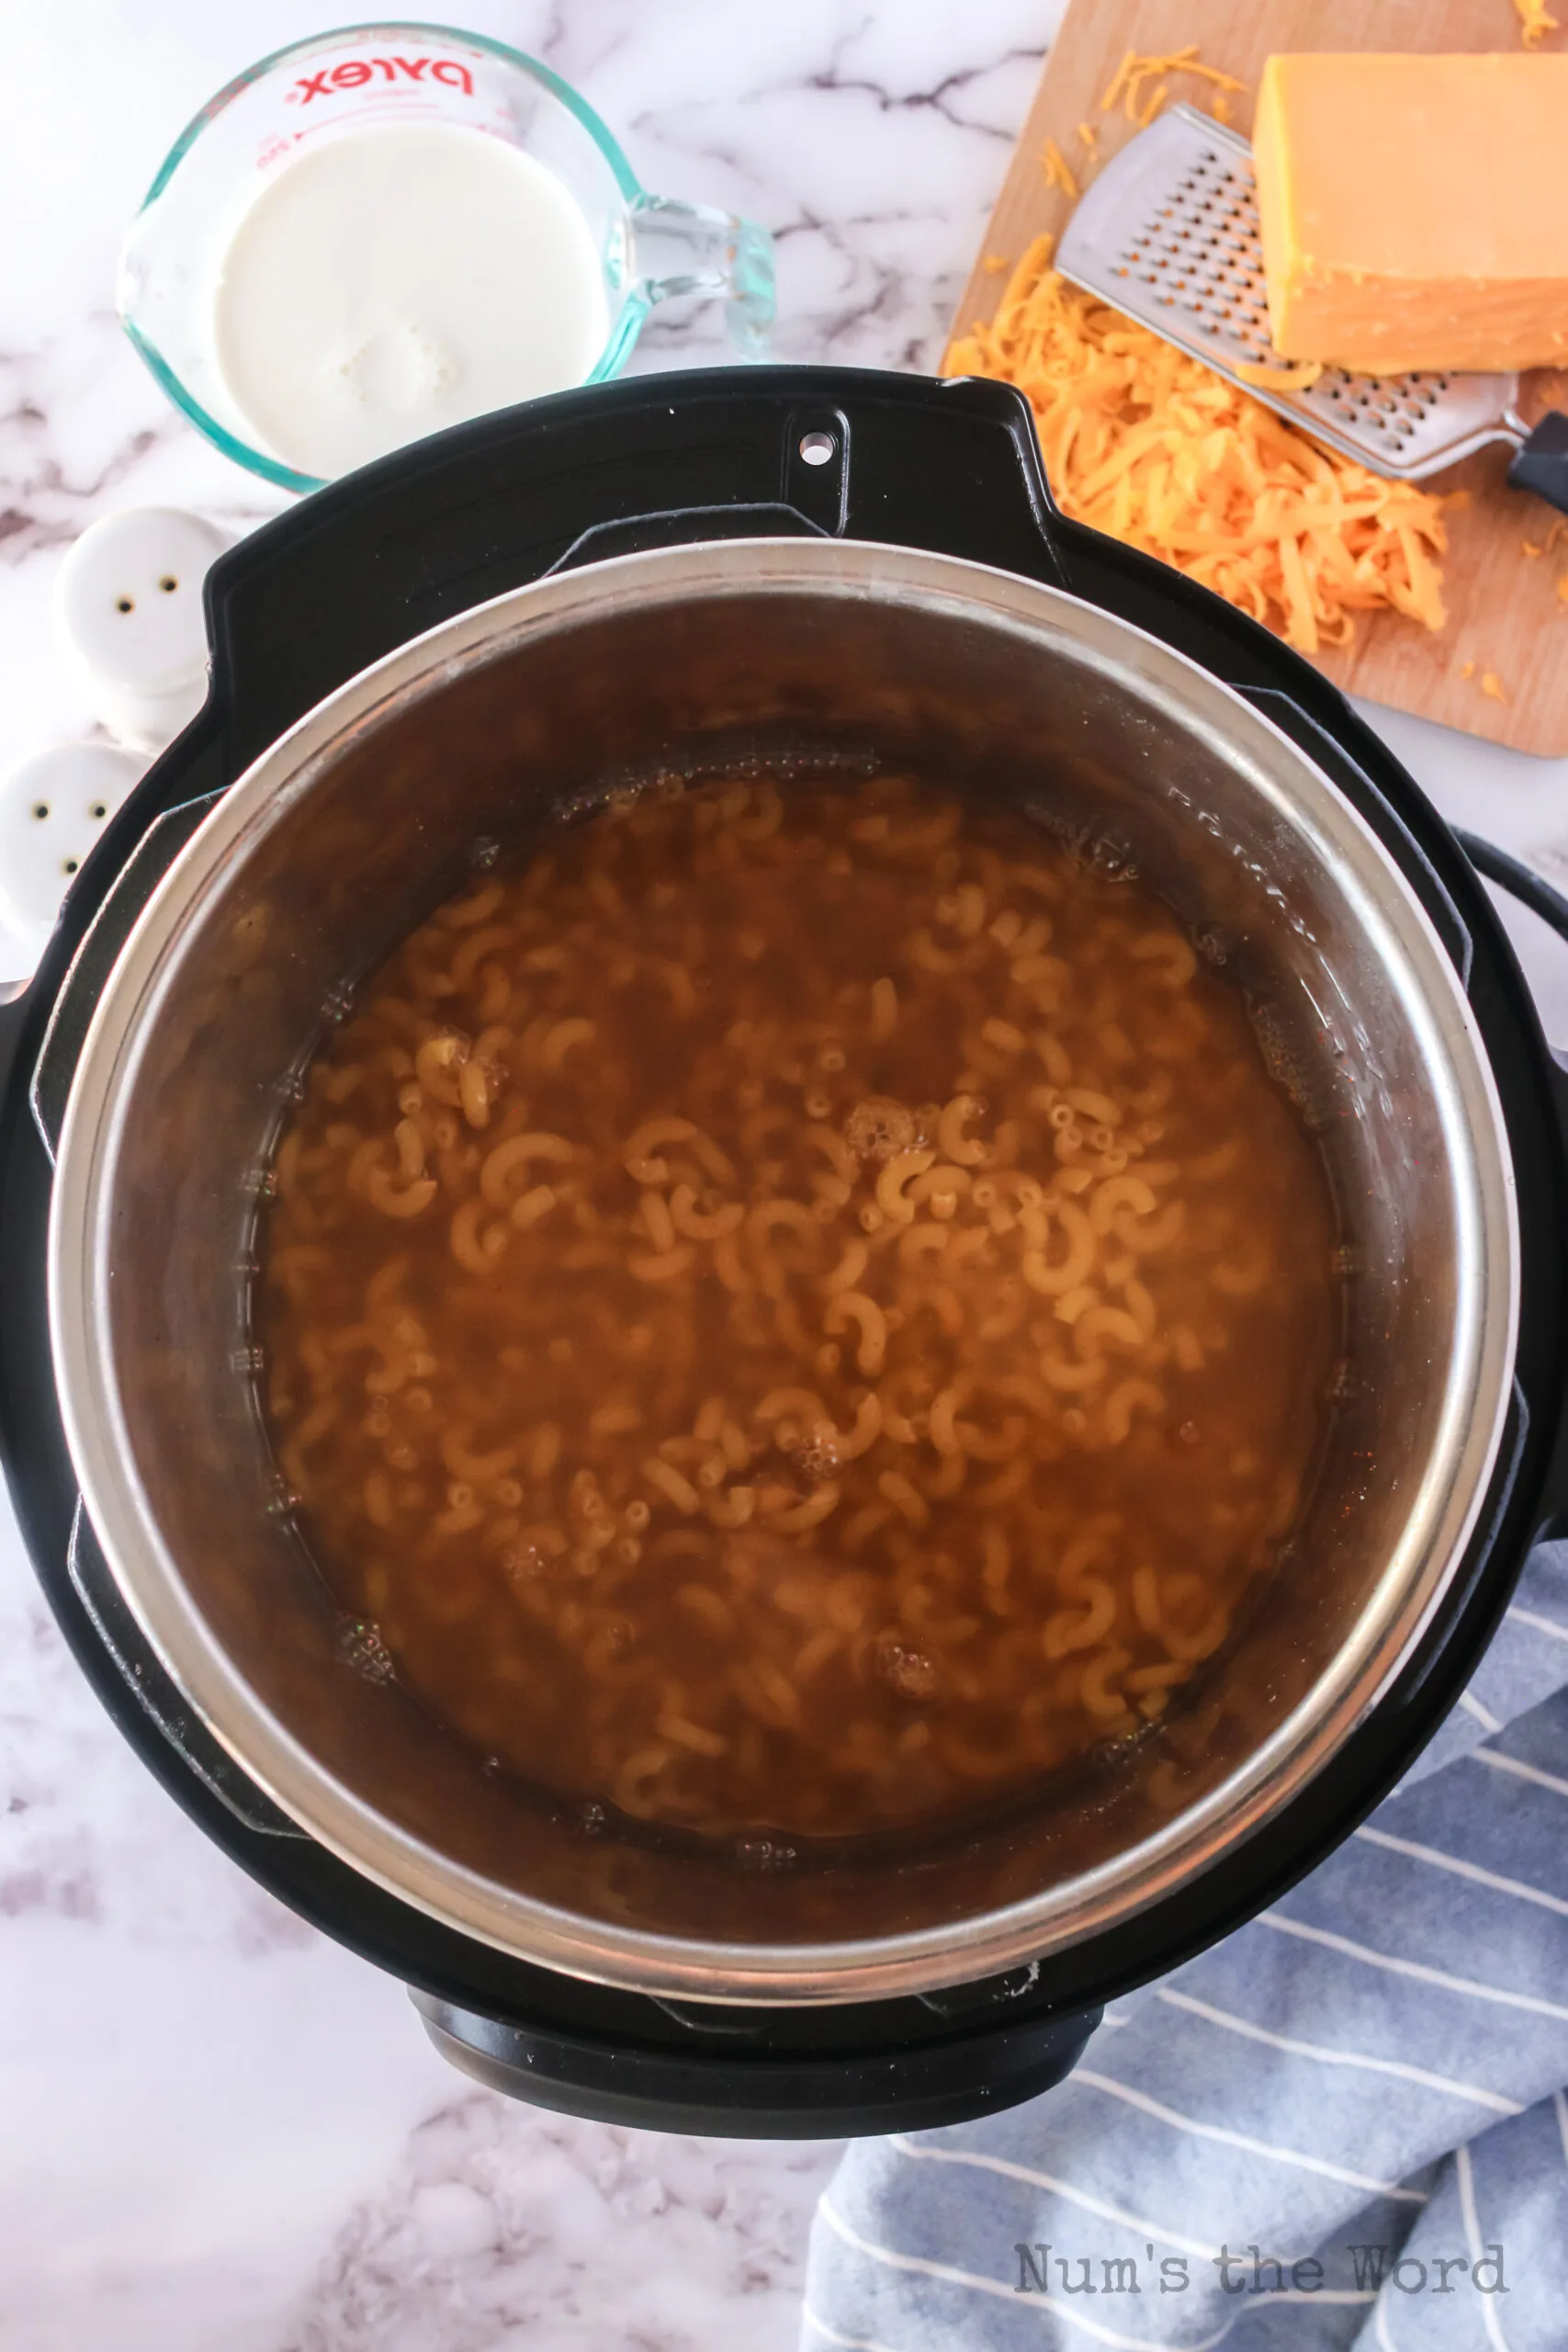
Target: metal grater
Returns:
[[1168, 233]]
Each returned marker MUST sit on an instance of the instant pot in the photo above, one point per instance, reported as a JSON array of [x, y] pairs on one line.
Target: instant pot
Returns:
[[811, 572]]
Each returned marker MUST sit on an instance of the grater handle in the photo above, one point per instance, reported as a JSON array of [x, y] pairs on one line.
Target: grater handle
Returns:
[[1541, 464]]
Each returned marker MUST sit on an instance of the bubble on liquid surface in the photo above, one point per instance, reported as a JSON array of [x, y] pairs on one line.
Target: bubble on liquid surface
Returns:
[[763, 1854], [1303, 1082], [909, 1672], [816, 1453], [878, 1127], [361, 1645]]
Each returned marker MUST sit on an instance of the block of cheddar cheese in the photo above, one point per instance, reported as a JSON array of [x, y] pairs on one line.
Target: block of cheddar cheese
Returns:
[[1415, 209]]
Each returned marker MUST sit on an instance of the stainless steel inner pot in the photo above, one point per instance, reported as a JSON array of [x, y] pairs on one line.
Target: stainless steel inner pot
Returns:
[[358, 821]]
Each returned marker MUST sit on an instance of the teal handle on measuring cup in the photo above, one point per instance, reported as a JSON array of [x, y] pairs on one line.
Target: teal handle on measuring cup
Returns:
[[697, 249]]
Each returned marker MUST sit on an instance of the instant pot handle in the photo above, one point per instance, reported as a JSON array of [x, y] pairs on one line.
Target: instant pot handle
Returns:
[[957, 474], [737, 2078], [308, 601], [1522, 882], [1519, 881]]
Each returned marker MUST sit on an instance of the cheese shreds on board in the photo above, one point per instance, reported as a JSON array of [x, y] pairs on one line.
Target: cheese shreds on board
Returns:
[[1127, 82], [1058, 171], [1534, 22], [1151, 447]]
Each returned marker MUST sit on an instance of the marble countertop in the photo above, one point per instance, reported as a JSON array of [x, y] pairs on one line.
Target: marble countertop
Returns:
[[215, 2127]]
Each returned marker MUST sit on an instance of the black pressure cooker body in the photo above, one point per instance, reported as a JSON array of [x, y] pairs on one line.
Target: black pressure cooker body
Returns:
[[347, 577]]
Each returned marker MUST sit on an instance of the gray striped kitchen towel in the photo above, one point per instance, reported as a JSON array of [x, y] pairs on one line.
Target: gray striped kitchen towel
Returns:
[[1344, 2126]]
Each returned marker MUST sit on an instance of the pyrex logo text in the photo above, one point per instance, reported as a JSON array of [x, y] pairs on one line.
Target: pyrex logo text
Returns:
[[355, 72]]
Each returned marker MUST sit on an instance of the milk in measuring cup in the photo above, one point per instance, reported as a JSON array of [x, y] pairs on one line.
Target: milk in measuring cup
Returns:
[[398, 280]]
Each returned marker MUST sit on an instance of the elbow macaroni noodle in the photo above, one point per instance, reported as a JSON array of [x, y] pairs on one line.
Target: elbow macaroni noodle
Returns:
[[796, 1311]]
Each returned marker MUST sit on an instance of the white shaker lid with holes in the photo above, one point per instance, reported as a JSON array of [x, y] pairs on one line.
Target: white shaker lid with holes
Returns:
[[129, 603], [52, 810]]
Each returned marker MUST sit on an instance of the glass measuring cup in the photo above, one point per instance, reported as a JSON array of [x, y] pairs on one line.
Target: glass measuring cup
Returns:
[[337, 82]]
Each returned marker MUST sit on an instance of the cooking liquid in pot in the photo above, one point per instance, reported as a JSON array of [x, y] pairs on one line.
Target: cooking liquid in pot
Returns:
[[797, 1312]]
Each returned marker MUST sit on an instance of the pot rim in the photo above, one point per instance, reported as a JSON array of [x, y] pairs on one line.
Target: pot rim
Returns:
[[1408, 1591]]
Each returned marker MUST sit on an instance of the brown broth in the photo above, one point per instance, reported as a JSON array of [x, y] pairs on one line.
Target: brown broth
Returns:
[[800, 1312]]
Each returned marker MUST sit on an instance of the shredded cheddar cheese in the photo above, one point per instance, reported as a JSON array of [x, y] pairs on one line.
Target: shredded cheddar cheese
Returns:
[[1534, 22], [1127, 83], [1467, 670], [1058, 171], [1562, 587], [1151, 447], [1492, 686], [1089, 134]]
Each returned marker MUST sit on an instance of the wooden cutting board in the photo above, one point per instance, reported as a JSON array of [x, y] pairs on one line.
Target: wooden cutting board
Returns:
[[1504, 611]]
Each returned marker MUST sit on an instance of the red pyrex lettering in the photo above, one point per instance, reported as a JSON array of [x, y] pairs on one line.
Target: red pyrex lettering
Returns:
[[355, 72]]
